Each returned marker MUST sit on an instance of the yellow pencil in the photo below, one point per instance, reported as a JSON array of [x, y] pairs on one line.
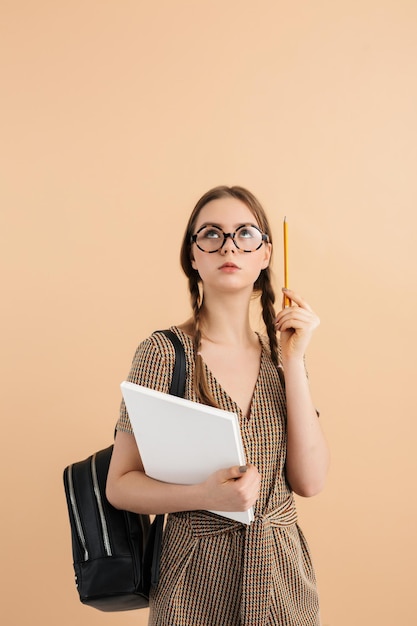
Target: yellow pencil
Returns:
[[287, 301]]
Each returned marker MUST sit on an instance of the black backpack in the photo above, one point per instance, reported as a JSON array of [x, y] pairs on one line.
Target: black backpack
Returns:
[[115, 553]]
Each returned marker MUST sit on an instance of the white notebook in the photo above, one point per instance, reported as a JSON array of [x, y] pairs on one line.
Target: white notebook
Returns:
[[181, 441]]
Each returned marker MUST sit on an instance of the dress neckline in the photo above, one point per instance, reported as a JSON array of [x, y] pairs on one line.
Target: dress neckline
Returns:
[[216, 382]]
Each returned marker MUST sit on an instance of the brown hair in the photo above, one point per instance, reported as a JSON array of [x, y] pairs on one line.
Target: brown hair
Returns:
[[262, 285]]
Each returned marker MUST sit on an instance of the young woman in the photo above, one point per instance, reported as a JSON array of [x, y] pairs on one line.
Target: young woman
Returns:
[[215, 571]]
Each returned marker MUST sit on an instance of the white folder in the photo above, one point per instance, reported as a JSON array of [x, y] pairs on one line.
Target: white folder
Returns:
[[183, 442]]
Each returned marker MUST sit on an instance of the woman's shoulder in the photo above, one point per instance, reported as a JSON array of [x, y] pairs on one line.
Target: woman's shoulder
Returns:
[[159, 341], [153, 362]]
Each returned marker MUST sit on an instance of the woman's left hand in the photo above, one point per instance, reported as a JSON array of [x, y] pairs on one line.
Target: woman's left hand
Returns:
[[296, 324]]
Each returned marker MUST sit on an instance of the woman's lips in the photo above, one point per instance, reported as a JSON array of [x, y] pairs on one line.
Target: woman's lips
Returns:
[[228, 267]]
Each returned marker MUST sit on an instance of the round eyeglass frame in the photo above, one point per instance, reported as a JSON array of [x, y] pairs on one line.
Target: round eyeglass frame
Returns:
[[264, 237]]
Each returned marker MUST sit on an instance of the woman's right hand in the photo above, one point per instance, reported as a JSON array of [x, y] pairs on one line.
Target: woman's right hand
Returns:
[[232, 489]]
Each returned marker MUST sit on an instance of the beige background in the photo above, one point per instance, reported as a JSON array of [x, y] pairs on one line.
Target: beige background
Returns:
[[116, 116]]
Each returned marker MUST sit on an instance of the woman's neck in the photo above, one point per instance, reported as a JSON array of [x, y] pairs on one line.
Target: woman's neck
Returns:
[[226, 320]]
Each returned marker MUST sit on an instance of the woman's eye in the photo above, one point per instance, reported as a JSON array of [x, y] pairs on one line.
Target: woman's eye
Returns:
[[211, 234], [246, 233]]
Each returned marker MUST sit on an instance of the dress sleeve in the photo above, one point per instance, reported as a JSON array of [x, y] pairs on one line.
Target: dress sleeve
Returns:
[[149, 369]]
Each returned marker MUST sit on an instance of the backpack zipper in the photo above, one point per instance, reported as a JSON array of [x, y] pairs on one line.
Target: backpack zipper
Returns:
[[76, 514], [106, 538]]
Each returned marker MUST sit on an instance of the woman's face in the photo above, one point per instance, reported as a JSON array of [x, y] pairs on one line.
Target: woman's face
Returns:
[[230, 268]]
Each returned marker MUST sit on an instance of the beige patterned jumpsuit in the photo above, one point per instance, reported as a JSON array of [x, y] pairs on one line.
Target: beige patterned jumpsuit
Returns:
[[215, 571]]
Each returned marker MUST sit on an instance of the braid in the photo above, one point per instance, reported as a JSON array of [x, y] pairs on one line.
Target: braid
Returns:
[[200, 380], [268, 312]]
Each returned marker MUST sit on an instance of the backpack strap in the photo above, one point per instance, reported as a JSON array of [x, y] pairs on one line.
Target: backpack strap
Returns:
[[177, 387]]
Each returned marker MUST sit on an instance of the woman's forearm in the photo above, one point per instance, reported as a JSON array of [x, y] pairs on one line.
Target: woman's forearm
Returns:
[[136, 492], [307, 452]]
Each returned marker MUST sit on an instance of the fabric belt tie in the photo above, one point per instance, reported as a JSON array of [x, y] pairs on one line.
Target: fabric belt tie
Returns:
[[259, 553]]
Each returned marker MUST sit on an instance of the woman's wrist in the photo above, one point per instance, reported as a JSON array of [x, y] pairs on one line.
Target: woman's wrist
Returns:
[[293, 362]]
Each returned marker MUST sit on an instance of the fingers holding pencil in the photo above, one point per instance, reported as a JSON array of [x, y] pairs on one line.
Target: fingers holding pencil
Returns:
[[296, 299], [296, 324]]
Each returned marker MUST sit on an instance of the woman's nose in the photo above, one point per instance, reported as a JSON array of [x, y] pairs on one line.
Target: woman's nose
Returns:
[[228, 243]]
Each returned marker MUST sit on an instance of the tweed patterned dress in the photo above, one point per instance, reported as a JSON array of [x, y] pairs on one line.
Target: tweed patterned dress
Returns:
[[215, 571]]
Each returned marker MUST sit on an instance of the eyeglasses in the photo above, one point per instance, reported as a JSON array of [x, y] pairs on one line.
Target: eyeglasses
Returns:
[[247, 238]]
